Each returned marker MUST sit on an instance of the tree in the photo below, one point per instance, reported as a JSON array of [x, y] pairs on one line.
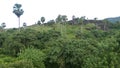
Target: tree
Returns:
[[105, 24], [59, 19], [24, 24], [64, 18], [21, 64], [95, 19], [50, 22], [73, 19], [38, 22], [18, 12], [35, 55], [3, 25], [43, 19], [81, 20]]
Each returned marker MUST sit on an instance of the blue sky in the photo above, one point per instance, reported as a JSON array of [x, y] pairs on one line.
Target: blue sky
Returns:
[[34, 9]]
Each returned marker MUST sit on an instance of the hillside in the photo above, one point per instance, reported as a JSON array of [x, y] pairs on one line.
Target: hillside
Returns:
[[60, 45], [113, 19]]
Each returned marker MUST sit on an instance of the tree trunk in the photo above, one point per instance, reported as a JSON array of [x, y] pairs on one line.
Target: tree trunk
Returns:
[[61, 29], [104, 26], [19, 22]]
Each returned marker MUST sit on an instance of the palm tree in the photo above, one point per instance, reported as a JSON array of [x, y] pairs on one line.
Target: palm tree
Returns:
[[95, 19], [3, 25], [73, 19], [59, 19], [24, 24], [43, 19], [105, 21], [18, 11], [81, 20], [64, 18], [38, 22]]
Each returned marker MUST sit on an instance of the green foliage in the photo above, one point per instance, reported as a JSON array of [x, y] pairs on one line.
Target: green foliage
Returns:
[[21, 64], [51, 22], [3, 25], [36, 56], [42, 20], [2, 38], [6, 59], [17, 10], [12, 47], [90, 26], [46, 46], [24, 24], [38, 22]]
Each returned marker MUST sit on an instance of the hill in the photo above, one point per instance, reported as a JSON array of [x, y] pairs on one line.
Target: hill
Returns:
[[60, 45], [113, 19]]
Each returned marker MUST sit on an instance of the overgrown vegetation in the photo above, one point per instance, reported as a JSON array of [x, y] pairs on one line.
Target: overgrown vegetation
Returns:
[[61, 45]]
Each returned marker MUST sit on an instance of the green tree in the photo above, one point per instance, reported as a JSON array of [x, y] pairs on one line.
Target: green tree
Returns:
[[95, 19], [24, 24], [38, 22], [42, 20], [2, 38], [36, 56], [64, 18], [73, 19], [81, 20], [18, 12], [50, 22], [21, 64], [105, 21], [12, 47], [3, 25], [59, 19], [64, 21]]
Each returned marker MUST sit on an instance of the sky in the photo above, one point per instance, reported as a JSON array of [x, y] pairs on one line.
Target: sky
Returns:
[[50, 9]]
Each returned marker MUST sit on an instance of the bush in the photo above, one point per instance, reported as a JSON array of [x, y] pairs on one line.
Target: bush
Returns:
[[21, 64], [35, 55]]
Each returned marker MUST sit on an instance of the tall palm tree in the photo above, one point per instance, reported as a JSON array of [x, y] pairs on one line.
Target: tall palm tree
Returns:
[[43, 19], [64, 18], [18, 12], [95, 19], [73, 19], [59, 19], [81, 20], [64, 21], [105, 21]]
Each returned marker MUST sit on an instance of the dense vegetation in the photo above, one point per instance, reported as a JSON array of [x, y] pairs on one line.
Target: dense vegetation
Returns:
[[60, 45]]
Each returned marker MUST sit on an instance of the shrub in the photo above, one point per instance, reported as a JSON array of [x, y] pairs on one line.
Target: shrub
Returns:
[[35, 55]]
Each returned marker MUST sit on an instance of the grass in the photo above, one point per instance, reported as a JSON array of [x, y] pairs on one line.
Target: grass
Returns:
[[67, 31]]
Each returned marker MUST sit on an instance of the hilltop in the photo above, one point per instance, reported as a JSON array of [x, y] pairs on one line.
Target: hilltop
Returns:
[[113, 19]]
